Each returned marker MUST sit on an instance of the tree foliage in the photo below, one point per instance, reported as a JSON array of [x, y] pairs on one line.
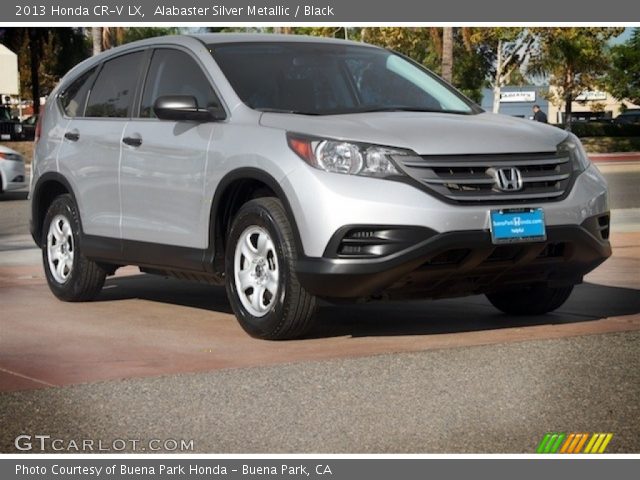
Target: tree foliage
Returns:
[[425, 46], [44, 55], [623, 79], [572, 59]]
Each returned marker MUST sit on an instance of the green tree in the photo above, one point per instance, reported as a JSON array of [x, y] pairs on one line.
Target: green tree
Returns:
[[139, 33], [332, 32], [623, 79], [44, 55], [573, 59], [425, 46]]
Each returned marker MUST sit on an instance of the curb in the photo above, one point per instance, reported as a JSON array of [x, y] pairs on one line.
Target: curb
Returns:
[[615, 157]]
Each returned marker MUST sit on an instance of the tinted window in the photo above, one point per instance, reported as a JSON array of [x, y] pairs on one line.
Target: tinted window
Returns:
[[324, 79], [112, 94], [173, 72], [74, 98]]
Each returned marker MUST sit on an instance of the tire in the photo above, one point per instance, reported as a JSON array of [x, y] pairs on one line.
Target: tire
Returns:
[[78, 279], [535, 300], [261, 250]]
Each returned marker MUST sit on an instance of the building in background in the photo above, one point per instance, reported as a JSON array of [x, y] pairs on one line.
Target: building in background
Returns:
[[518, 101], [592, 105], [9, 78]]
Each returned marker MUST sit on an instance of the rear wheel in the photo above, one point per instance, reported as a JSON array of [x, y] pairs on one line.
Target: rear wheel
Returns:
[[261, 282], [71, 276], [534, 300]]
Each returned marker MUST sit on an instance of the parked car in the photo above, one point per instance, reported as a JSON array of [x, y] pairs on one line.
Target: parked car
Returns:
[[8, 124], [629, 116], [12, 172], [26, 130], [292, 169]]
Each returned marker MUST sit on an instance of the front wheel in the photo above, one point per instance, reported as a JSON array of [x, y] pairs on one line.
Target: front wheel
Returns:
[[535, 300], [261, 281], [71, 276]]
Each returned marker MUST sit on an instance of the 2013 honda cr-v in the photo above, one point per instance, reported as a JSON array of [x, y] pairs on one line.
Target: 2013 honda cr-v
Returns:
[[294, 168]]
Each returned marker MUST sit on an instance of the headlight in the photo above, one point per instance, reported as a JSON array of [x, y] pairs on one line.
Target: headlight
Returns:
[[18, 128], [572, 147], [346, 157]]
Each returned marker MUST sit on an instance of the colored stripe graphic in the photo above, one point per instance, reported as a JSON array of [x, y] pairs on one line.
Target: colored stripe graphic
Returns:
[[581, 443], [591, 442], [556, 446], [554, 442], [543, 443], [567, 443], [606, 441]]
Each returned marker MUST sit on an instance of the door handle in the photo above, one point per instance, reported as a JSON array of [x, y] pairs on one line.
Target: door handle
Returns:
[[73, 135], [132, 141]]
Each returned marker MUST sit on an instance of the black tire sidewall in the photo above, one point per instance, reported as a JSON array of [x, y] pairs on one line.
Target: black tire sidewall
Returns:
[[253, 213], [63, 205]]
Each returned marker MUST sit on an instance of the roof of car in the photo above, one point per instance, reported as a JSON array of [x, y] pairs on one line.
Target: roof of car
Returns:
[[206, 39], [212, 38]]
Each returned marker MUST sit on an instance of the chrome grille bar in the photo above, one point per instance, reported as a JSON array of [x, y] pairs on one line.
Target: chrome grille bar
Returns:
[[472, 178]]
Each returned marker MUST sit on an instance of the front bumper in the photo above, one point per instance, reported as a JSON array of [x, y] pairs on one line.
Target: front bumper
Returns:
[[323, 202], [463, 263]]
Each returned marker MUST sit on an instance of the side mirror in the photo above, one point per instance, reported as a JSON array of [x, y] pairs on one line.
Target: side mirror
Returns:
[[185, 108]]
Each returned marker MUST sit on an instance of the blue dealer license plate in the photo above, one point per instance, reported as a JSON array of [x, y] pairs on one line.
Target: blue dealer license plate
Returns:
[[523, 225]]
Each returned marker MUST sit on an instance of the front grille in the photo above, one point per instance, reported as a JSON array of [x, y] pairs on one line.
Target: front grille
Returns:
[[470, 179], [6, 128]]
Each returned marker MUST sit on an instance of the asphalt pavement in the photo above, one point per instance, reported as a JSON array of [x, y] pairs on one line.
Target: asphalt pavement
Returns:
[[500, 398]]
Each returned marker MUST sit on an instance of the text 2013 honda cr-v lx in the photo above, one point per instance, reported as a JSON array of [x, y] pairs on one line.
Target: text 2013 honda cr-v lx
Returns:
[[293, 169]]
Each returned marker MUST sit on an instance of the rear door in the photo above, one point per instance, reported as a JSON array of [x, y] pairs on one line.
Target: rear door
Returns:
[[90, 153], [164, 162]]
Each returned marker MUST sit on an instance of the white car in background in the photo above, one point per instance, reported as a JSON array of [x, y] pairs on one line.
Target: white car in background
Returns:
[[12, 172]]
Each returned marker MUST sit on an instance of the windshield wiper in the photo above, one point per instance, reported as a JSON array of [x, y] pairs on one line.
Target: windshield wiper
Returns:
[[404, 108], [284, 110], [390, 108]]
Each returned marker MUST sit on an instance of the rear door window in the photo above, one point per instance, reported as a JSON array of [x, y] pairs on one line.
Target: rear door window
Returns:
[[74, 97], [112, 95]]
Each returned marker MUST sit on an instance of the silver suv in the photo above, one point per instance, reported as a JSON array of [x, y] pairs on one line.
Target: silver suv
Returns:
[[292, 169]]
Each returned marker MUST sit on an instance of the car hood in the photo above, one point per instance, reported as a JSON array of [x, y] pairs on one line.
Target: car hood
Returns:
[[427, 133]]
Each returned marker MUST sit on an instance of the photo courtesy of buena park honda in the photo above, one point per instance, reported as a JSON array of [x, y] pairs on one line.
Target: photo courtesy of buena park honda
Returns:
[[317, 238]]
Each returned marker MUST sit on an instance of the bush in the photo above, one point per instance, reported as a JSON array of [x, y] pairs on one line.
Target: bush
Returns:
[[604, 129], [611, 144]]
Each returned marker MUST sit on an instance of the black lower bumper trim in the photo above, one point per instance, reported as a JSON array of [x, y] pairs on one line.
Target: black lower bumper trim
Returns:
[[459, 263]]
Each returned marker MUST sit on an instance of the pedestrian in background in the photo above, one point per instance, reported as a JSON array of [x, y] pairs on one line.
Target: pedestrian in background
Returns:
[[539, 115]]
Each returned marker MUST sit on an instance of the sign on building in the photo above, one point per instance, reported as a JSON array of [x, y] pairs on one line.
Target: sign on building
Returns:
[[523, 96], [591, 95]]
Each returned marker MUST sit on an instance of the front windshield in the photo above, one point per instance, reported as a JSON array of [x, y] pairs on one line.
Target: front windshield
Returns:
[[4, 114], [326, 79]]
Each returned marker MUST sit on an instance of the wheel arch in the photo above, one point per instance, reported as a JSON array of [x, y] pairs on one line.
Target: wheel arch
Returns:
[[48, 187], [236, 188]]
